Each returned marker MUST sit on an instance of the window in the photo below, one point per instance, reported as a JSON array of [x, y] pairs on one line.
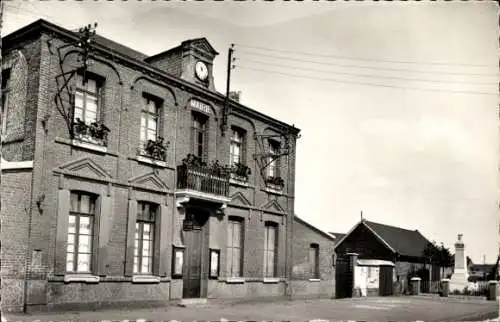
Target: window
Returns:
[[80, 233], [234, 243], [314, 260], [273, 160], [237, 146], [86, 99], [199, 133], [5, 97], [144, 238], [270, 247], [149, 120]]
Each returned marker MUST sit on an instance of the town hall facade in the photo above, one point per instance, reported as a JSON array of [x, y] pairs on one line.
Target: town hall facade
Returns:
[[128, 179]]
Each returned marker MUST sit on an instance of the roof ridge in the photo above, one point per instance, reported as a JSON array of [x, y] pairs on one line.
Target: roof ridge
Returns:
[[410, 230]]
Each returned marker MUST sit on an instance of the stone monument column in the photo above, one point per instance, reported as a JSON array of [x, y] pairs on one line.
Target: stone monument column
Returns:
[[459, 279]]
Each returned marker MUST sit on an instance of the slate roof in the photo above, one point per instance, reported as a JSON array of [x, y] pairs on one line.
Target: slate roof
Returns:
[[318, 230], [403, 241], [124, 50], [338, 236]]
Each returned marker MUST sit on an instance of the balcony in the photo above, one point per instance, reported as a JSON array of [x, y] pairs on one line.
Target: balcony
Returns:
[[196, 179]]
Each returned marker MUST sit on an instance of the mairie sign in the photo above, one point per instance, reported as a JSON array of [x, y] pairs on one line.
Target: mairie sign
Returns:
[[205, 108]]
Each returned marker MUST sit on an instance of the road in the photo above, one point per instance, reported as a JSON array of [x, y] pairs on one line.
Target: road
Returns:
[[371, 309]]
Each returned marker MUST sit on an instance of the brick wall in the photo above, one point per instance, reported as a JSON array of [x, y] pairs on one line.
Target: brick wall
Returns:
[[303, 279], [59, 164], [16, 196]]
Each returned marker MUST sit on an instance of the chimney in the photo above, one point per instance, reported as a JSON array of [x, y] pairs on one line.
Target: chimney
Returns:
[[235, 96]]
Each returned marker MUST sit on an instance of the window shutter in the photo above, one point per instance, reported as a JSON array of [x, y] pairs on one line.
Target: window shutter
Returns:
[[62, 231], [105, 215], [162, 249], [129, 253]]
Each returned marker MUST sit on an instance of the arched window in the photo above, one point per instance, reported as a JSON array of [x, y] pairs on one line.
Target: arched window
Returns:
[[80, 232], [144, 237]]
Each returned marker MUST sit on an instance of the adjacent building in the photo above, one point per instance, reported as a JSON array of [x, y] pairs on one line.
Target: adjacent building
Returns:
[[133, 181], [400, 251]]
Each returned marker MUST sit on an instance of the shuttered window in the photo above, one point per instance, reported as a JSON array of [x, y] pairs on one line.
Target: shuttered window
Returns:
[[234, 247], [270, 249], [144, 238], [80, 233], [314, 260]]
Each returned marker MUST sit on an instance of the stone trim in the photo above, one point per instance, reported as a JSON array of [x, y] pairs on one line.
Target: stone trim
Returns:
[[235, 280], [14, 165], [271, 280], [107, 279], [158, 163], [314, 280], [85, 145], [145, 279], [85, 278]]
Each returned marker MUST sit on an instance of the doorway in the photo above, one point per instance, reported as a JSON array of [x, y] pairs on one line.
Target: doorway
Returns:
[[194, 228]]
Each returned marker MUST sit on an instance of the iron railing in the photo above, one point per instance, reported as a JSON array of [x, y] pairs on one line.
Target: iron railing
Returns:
[[479, 288], [204, 179]]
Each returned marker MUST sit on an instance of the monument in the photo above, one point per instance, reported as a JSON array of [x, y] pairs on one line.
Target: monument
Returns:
[[459, 279]]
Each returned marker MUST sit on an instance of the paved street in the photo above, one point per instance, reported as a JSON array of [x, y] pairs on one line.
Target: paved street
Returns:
[[372, 309]]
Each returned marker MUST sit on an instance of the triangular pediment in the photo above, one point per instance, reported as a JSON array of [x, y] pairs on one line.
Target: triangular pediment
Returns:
[[150, 181], [85, 167], [239, 199], [202, 44], [273, 205]]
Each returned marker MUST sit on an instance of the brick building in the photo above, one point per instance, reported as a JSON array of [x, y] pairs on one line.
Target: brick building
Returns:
[[111, 193]]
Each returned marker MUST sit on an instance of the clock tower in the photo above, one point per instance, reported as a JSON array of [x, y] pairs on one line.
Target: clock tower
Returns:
[[191, 61]]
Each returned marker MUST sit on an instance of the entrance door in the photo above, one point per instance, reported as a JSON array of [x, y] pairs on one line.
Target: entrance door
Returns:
[[344, 278], [193, 238]]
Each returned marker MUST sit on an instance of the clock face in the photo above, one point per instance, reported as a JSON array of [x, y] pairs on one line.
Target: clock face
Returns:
[[201, 71]]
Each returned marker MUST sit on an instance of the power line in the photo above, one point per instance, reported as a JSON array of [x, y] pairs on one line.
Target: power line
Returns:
[[369, 76], [362, 59], [364, 83], [366, 67]]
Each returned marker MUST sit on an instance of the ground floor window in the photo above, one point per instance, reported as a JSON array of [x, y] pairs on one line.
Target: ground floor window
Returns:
[[270, 248], [80, 232], [144, 238]]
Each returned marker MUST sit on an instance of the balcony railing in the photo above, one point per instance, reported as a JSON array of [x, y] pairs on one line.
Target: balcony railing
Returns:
[[213, 179]]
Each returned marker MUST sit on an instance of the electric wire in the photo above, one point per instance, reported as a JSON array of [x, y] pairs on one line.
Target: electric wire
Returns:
[[360, 58], [364, 83], [368, 67], [366, 75]]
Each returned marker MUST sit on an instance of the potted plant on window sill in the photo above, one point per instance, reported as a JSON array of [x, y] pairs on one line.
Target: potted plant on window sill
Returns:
[[156, 150], [240, 172], [95, 132], [275, 183]]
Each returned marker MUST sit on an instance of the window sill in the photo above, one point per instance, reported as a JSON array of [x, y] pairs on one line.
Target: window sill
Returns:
[[148, 160], [143, 279], [273, 190], [271, 280], [89, 146], [314, 280], [86, 278], [235, 280], [238, 182]]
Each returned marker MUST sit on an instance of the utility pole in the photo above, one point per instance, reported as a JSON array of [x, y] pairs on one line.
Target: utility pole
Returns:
[[1, 96], [230, 66]]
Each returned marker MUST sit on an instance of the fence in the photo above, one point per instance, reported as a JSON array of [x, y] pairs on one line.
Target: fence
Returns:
[[479, 288]]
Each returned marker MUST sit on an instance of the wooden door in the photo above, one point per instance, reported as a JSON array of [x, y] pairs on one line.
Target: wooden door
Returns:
[[385, 280], [193, 240], [344, 278]]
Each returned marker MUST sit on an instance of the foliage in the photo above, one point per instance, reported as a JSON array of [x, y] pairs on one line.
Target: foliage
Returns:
[[157, 149], [241, 170], [95, 130], [213, 168], [439, 255], [276, 181]]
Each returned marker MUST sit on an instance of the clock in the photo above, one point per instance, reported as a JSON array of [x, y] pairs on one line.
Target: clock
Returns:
[[201, 71]]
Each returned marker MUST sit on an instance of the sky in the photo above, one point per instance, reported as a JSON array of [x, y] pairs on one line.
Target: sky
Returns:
[[396, 101]]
